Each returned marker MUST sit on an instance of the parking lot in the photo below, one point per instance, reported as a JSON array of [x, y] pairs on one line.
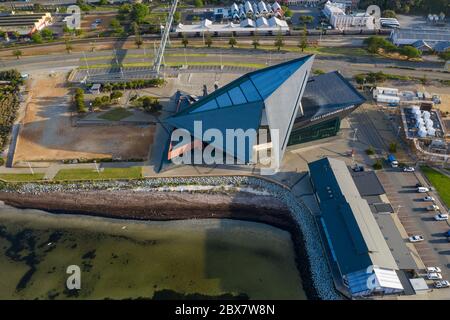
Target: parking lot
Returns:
[[412, 212]]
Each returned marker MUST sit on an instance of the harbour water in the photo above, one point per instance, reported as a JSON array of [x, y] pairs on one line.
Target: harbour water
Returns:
[[123, 259]]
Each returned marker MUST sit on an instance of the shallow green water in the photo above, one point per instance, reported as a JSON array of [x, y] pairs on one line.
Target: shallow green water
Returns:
[[126, 259]]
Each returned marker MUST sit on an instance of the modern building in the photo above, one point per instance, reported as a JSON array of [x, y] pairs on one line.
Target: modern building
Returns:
[[247, 26], [356, 246], [282, 103], [25, 24], [437, 39], [337, 17]]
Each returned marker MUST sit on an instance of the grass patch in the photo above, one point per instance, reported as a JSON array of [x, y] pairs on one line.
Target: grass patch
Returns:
[[440, 181], [116, 114], [21, 177], [105, 174]]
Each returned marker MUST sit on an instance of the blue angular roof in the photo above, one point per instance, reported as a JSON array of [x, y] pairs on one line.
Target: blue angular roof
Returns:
[[239, 104]]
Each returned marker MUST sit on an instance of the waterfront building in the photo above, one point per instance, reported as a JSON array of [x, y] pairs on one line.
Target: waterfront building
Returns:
[[358, 252], [283, 97]]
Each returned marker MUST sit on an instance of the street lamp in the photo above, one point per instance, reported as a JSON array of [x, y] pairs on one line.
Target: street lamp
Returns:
[[354, 135]]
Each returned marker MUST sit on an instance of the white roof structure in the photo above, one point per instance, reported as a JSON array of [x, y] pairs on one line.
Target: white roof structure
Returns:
[[276, 6], [248, 7], [387, 278], [262, 24], [419, 285], [262, 7]]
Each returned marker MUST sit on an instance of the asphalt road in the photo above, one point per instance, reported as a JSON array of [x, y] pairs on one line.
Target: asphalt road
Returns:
[[347, 65]]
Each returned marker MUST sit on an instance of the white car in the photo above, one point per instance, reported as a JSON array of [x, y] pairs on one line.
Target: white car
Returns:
[[422, 189], [428, 198], [433, 269], [441, 284], [408, 169], [441, 217], [434, 276], [416, 238]]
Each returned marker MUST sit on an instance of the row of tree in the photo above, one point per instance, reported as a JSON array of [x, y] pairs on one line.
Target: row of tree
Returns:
[[9, 103], [375, 43], [232, 42], [410, 6]]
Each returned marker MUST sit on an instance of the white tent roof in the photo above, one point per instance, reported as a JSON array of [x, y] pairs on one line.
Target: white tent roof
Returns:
[[387, 278]]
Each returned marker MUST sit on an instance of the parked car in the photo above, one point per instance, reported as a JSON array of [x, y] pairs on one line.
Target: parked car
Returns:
[[98, 21], [441, 284], [434, 276], [408, 169], [358, 168], [441, 217], [433, 269], [428, 198], [422, 189], [416, 238], [433, 207]]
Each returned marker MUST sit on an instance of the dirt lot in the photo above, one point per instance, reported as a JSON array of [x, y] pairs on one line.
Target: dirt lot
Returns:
[[47, 133]]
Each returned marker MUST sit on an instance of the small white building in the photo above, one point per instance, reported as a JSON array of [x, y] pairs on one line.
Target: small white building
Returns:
[[342, 21]]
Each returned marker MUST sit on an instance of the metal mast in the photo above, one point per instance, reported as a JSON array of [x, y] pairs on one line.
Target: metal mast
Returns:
[[165, 37]]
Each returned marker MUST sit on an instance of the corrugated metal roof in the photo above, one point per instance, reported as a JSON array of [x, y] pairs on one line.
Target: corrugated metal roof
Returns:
[[327, 93], [355, 235]]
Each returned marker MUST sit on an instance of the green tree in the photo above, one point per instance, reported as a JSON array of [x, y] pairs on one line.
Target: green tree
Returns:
[[278, 43], [125, 8], [103, 2], [177, 17], [139, 11], [388, 14], [17, 53], [116, 27], [198, 3], [115, 95], [69, 47], [303, 44], [445, 55], [47, 34], [287, 11], [78, 32], [184, 41], [137, 35], [255, 42], [36, 37], [410, 51], [232, 42], [306, 19], [393, 147], [208, 40]]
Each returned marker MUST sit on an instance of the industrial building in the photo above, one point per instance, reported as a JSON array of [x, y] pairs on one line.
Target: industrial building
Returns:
[[282, 97], [25, 24], [356, 246], [335, 13], [436, 39]]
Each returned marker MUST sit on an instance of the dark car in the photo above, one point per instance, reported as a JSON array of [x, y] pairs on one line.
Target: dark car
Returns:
[[358, 168]]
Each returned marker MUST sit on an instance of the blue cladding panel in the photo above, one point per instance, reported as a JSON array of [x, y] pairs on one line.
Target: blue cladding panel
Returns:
[[236, 96], [224, 100], [207, 106], [268, 81], [250, 91]]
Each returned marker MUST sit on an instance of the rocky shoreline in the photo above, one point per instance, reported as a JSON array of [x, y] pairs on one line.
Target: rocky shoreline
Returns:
[[243, 198]]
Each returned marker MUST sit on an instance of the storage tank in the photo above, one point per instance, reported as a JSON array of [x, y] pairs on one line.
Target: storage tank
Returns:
[[431, 132], [422, 132], [426, 115]]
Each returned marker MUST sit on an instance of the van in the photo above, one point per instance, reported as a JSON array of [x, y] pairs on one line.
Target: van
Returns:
[[422, 189]]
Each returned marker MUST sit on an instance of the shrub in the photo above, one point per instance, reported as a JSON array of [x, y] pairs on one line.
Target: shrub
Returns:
[[370, 151], [79, 101], [378, 165], [393, 147]]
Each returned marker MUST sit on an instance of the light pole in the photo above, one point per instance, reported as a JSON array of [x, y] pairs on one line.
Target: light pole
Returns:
[[31, 169], [96, 167], [398, 208], [398, 132], [354, 135], [185, 58]]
